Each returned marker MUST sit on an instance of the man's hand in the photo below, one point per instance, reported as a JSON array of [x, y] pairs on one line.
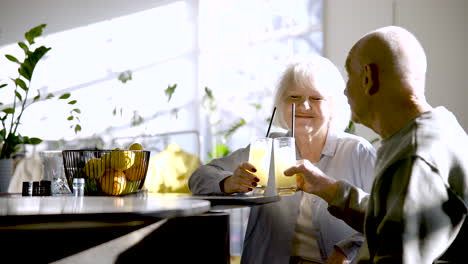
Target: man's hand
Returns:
[[337, 257], [311, 179], [242, 180]]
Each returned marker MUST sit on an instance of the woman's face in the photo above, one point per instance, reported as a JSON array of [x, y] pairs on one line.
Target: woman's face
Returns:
[[313, 110]]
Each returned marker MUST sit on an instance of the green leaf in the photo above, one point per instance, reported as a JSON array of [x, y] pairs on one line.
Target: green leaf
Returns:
[[9, 110], [220, 150], [34, 33], [70, 118], [234, 128], [21, 84], [37, 97], [24, 47], [3, 85], [170, 91], [51, 95], [137, 119], [114, 112], [351, 128], [35, 141], [24, 72], [77, 110], [65, 96], [27, 67], [256, 106], [18, 95], [77, 128], [32, 141], [209, 93], [13, 59], [125, 76], [72, 102]]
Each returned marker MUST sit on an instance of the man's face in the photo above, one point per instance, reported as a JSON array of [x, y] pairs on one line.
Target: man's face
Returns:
[[353, 90]]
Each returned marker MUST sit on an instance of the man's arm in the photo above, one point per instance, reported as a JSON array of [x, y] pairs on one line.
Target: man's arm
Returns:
[[350, 205], [346, 202]]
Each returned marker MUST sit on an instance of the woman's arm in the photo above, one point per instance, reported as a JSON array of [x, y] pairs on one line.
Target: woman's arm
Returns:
[[207, 178]]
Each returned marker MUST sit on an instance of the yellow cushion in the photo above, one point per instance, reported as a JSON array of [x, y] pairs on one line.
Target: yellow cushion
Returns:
[[169, 170]]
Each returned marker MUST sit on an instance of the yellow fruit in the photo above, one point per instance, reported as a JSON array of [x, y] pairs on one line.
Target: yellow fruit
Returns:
[[136, 172], [94, 168], [113, 182], [136, 146], [119, 159]]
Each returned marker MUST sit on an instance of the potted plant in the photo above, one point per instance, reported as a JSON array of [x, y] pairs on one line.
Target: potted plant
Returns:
[[10, 114]]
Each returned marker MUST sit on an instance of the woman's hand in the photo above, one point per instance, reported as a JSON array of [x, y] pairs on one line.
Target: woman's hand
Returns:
[[337, 257], [311, 179], [242, 180]]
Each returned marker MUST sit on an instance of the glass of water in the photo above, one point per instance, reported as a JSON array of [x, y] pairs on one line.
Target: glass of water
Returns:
[[260, 157], [284, 151]]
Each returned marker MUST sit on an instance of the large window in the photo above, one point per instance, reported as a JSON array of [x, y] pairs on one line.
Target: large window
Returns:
[[236, 48]]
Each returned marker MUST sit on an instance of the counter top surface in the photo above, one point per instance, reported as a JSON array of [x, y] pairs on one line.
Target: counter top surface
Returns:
[[70, 205]]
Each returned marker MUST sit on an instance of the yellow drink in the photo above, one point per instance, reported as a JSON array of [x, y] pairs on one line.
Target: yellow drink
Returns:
[[259, 156], [285, 157]]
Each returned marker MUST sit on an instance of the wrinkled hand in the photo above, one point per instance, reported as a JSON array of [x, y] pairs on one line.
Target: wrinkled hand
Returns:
[[242, 180], [337, 257], [311, 179]]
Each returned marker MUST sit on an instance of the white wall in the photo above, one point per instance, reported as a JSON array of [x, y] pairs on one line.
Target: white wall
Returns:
[[439, 25]]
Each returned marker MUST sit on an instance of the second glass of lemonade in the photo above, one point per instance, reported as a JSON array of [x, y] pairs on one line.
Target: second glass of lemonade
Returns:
[[285, 157], [260, 157]]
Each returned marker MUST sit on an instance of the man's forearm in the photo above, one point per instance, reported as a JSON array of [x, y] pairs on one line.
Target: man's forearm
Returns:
[[349, 204]]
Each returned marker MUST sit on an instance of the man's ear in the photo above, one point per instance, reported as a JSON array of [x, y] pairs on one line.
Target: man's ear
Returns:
[[370, 79]]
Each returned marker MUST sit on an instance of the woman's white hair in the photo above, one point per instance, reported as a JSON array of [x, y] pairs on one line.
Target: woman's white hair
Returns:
[[320, 73]]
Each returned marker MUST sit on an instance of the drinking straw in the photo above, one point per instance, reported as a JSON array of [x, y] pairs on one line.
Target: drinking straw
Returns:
[[271, 121], [293, 121]]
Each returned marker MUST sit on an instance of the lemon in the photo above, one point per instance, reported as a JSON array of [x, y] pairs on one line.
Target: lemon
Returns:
[[113, 182], [94, 168], [135, 146], [119, 159], [137, 171]]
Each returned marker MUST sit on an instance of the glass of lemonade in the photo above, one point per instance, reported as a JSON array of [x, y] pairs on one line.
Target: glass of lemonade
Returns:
[[285, 157], [260, 156]]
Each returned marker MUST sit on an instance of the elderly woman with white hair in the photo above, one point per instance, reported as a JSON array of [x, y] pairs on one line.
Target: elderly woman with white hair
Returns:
[[299, 228]]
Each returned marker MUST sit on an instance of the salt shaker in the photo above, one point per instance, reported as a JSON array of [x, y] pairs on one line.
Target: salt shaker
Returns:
[[27, 188], [78, 186]]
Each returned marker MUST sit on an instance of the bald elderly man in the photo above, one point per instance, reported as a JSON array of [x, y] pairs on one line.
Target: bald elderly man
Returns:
[[416, 212]]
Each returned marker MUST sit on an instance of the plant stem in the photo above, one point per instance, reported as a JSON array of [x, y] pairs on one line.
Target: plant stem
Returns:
[[22, 106], [12, 115]]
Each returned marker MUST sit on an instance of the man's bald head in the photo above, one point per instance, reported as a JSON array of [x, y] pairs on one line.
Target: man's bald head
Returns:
[[395, 51], [386, 78]]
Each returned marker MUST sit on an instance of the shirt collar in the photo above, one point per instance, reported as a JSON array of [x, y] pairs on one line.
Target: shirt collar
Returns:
[[331, 143]]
